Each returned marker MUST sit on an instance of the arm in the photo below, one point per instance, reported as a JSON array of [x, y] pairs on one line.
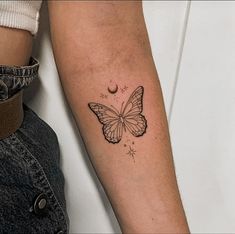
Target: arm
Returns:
[[101, 45]]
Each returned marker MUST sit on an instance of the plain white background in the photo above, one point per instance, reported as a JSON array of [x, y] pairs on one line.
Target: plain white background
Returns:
[[194, 50]]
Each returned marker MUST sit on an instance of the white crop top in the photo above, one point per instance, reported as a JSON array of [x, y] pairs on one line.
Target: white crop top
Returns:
[[20, 14]]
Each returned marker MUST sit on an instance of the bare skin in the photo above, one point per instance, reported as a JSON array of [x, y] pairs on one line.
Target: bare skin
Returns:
[[103, 56], [15, 46], [97, 45]]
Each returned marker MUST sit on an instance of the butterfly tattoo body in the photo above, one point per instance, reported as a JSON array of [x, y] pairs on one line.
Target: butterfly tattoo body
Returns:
[[128, 118]]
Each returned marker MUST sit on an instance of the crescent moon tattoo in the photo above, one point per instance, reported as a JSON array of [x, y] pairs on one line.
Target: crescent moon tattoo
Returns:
[[113, 90]]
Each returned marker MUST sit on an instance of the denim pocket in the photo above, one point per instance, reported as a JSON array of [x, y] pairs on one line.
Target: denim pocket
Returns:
[[31, 181]]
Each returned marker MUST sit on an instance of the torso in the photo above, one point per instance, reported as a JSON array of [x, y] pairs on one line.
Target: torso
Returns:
[[15, 46]]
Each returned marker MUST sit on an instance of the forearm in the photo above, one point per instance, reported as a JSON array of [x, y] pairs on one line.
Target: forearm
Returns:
[[97, 53]]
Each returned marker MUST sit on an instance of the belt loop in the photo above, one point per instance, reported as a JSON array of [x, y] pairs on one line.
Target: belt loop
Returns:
[[11, 114]]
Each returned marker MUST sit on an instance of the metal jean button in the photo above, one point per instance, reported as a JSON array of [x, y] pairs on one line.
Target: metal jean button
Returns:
[[40, 204], [60, 232]]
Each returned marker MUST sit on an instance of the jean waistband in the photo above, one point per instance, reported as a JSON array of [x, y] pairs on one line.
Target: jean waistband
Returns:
[[15, 78]]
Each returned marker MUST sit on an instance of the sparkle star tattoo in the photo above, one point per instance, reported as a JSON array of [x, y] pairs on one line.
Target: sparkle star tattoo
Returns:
[[103, 96], [128, 118], [131, 152]]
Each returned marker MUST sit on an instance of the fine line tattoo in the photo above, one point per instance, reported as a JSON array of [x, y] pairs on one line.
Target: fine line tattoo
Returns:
[[131, 152], [130, 117]]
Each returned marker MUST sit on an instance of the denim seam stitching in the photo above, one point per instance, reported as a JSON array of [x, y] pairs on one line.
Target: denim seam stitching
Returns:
[[11, 76]]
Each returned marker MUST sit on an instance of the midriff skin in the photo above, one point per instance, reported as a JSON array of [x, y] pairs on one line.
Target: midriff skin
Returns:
[[15, 46]]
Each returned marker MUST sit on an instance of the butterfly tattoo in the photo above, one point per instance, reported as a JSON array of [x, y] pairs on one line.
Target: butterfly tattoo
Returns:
[[128, 118]]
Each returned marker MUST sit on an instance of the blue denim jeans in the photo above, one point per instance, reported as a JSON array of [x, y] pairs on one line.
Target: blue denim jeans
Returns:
[[31, 181]]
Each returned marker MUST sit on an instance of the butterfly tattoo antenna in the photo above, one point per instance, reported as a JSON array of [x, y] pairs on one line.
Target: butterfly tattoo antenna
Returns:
[[121, 117], [115, 109], [121, 112]]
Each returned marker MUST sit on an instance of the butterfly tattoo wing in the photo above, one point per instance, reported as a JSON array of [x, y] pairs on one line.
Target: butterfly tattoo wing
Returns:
[[130, 118], [133, 119], [112, 126]]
